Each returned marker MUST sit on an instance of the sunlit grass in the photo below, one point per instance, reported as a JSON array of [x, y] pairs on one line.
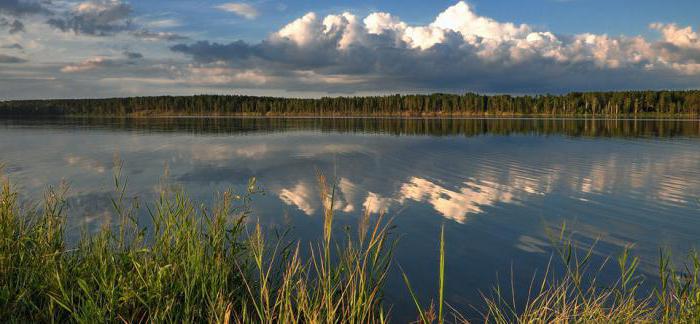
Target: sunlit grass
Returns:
[[578, 297], [194, 263]]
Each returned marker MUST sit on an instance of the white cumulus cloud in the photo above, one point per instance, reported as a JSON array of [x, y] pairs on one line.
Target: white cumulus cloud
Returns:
[[459, 49], [242, 9]]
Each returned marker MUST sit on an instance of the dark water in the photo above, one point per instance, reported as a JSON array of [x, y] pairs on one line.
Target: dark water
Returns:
[[495, 184]]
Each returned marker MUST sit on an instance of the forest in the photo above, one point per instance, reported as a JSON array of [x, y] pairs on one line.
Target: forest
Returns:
[[439, 104]]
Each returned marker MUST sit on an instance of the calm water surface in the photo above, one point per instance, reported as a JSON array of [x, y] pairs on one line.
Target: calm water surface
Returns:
[[495, 184]]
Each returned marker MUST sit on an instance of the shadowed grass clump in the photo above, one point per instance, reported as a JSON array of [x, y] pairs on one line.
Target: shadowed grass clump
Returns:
[[193, 263], [182, 269]]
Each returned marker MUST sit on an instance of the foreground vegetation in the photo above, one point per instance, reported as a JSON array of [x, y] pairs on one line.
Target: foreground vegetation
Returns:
[[198, 264], [655, 103]]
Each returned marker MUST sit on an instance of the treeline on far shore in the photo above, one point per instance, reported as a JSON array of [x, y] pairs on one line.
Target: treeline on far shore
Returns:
[[469, 104]]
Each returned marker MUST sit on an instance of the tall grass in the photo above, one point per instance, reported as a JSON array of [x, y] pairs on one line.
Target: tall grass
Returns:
[[341, 281], [196, 263], [426, 314], [191, 264], [578, 297], [181, 269]]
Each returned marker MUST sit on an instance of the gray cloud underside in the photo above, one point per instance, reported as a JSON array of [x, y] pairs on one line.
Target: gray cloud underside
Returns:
[[164, 36], [339, 54], [458, 51], [102, 18], [443, 67], [22, 7], [96, 19], [133, 55], [12, 26], [11, 59], [16, 46], [89, 79], [16, 9]]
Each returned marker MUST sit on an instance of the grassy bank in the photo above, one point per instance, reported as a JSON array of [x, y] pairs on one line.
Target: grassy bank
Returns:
[[194, 263]]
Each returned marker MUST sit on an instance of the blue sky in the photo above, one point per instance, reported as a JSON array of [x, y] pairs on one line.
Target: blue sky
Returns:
[[98, 48], [565, 16]]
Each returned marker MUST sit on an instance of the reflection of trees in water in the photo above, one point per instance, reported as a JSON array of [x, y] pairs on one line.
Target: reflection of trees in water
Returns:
[[393, 126]]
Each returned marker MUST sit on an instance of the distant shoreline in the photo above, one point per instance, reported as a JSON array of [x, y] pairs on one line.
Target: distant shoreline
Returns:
[[640, 117], [590, 104]]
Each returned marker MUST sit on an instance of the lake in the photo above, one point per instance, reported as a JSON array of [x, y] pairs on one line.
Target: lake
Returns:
[[497, 185]]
